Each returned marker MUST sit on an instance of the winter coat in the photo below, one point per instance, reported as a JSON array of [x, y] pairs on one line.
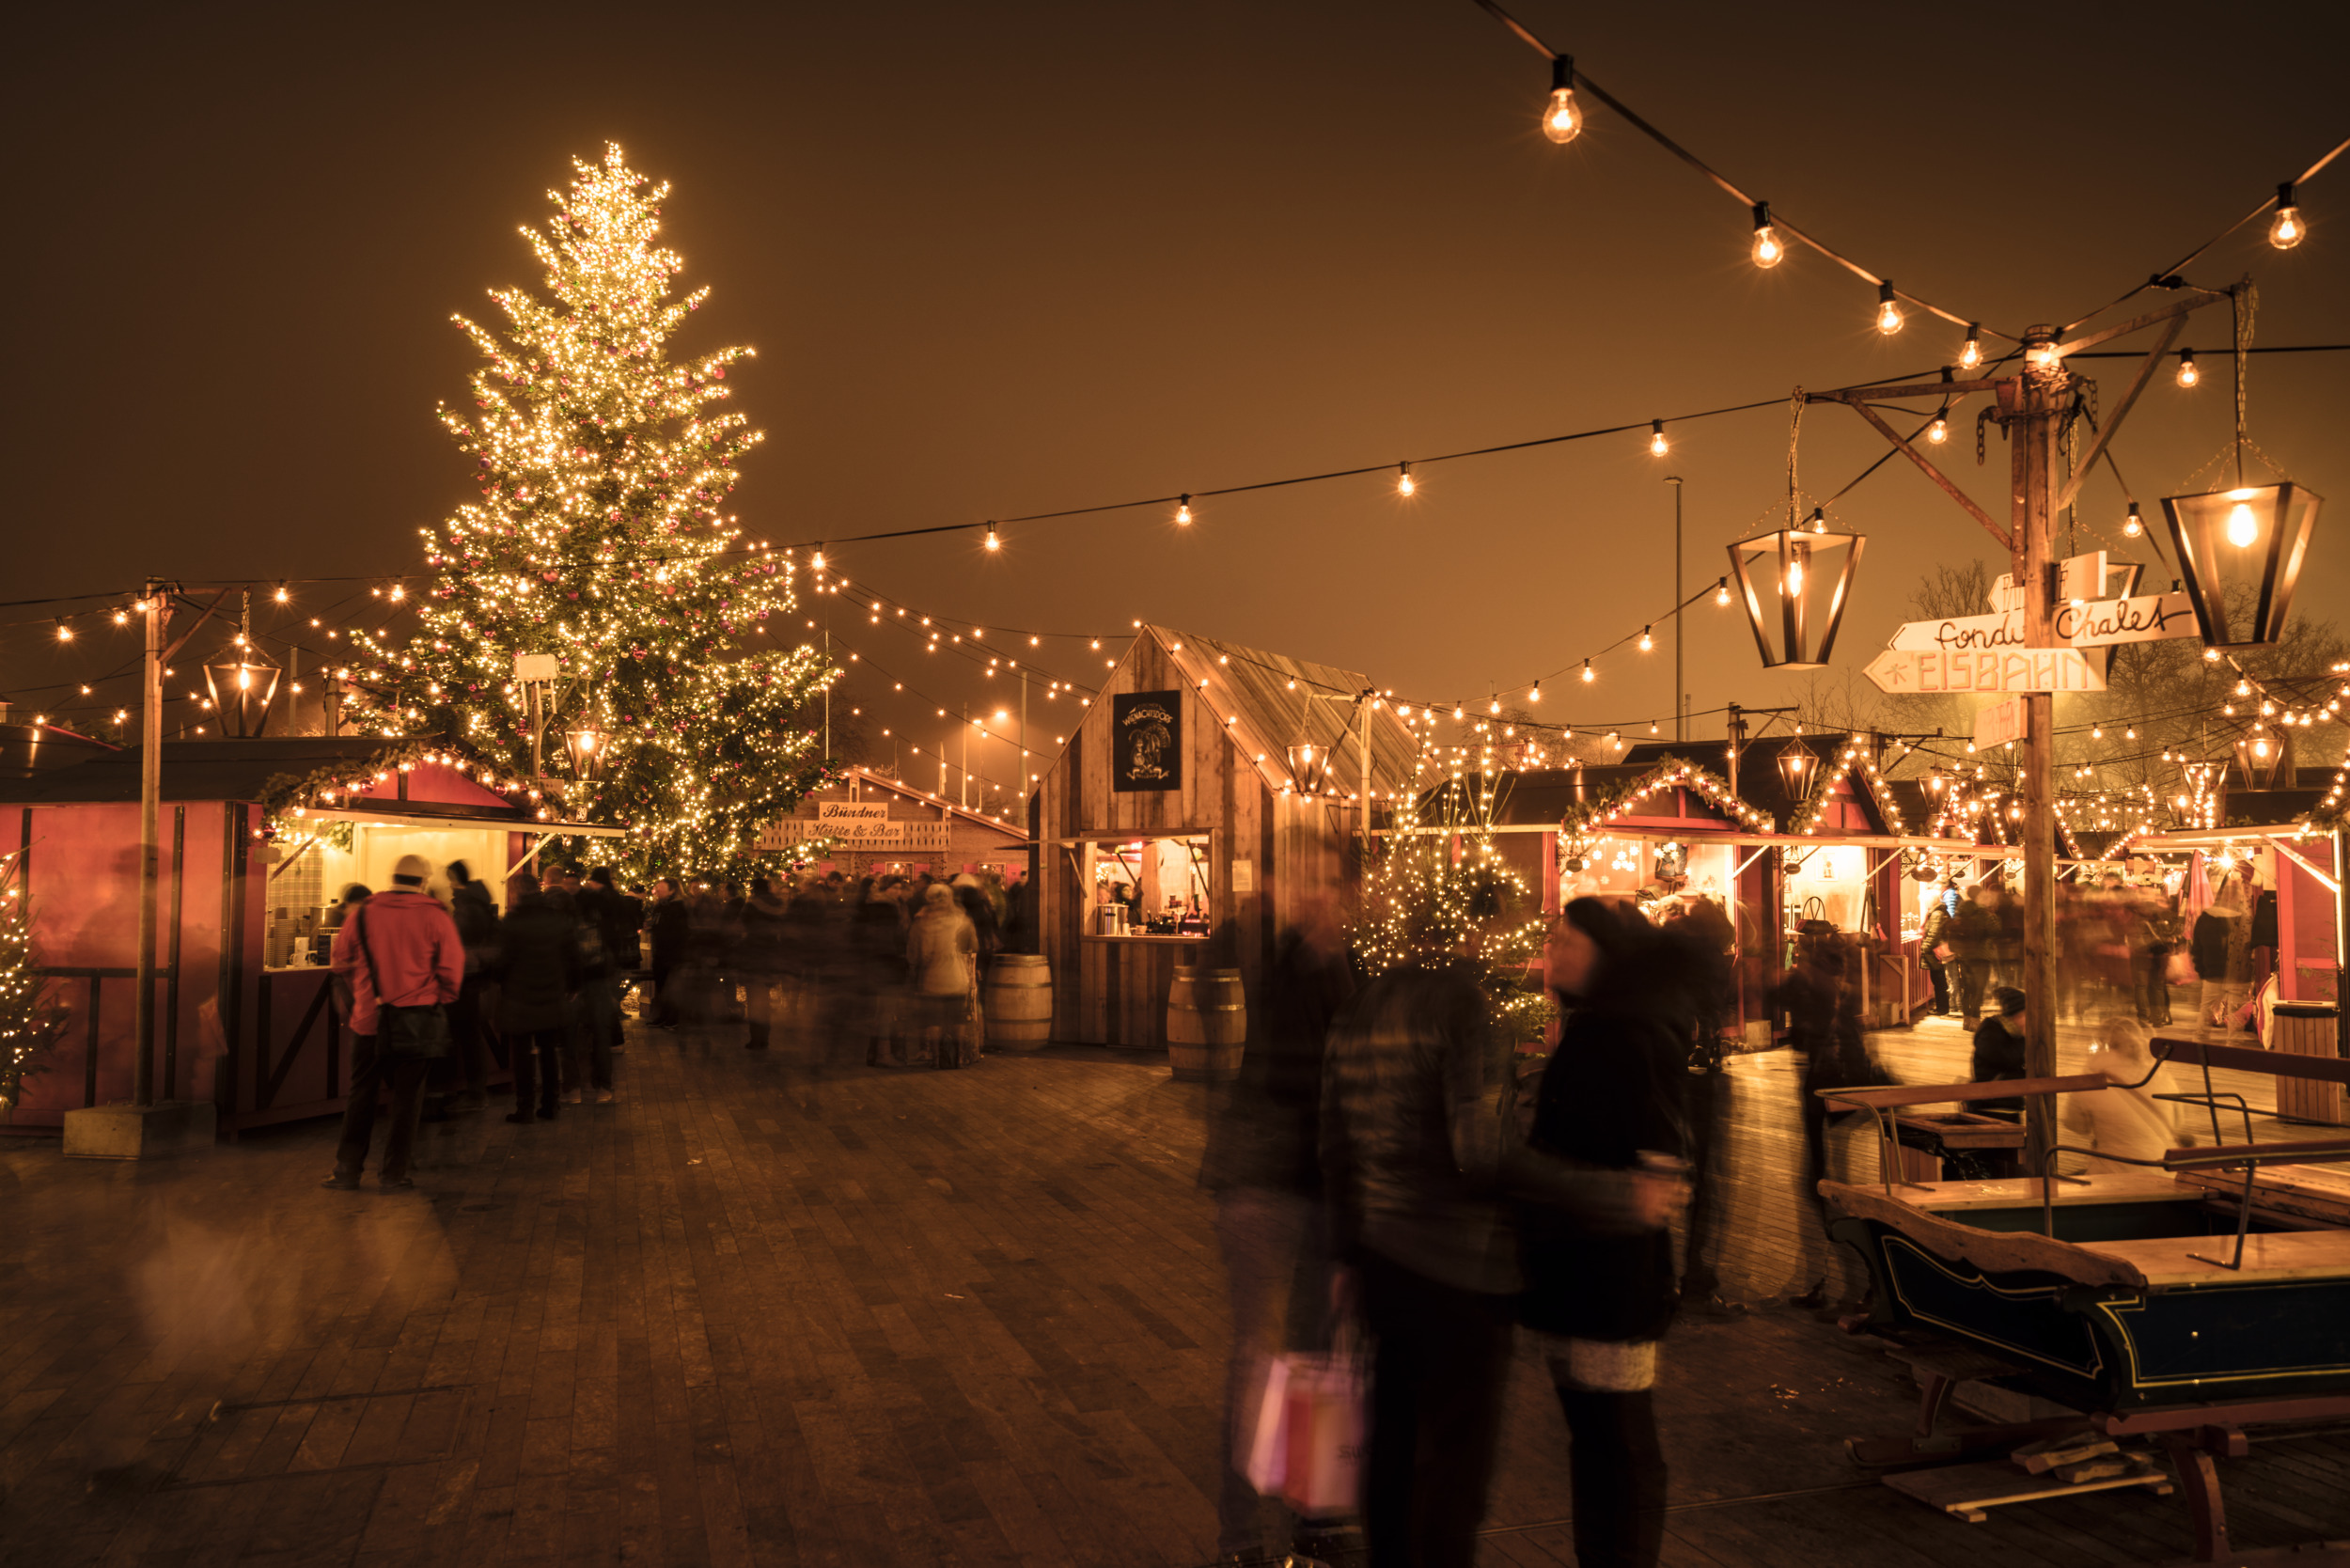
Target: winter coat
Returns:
[[1971, 933], [667, 924], [1613, 1089], [2220, 946], [1933, 929], [537, 966], [1261, 1132], [763, 944], [1998, 1056], [477, 920], [418, 958], [939, 951]]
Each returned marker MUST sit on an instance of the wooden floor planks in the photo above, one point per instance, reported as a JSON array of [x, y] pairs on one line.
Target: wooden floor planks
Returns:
[[773, 1311]]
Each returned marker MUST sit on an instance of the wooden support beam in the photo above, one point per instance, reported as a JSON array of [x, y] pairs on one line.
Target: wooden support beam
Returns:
[[1932, 472], [1907, 389], [2146, 369]]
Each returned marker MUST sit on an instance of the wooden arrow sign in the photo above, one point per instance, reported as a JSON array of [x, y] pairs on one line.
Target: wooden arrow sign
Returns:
[[2099, 623], [1987, 673]]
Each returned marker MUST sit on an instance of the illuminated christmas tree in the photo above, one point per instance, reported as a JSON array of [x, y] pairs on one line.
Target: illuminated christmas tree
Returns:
[[1419, 902], [604, 463], [30, 1015]]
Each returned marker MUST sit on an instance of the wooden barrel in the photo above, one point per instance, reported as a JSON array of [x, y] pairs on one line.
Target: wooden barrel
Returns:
[[1019, 1002], [1207, 1025]]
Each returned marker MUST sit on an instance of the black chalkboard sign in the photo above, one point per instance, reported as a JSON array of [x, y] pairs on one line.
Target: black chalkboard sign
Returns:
[[1147, 741]]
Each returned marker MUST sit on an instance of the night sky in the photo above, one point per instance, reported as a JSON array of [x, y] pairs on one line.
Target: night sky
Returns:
[[1016, 257]]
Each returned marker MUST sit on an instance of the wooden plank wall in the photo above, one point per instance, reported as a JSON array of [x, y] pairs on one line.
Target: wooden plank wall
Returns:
[[1115, 992]]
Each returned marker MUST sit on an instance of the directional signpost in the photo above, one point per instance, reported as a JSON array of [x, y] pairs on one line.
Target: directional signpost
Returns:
[[2009, 720], [2098, 623]]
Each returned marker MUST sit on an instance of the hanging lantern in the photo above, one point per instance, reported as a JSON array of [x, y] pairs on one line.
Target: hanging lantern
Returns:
[[1796, 763], [2240, 555], [586, 746], [1794, 584], [244, 686], [1309, 764], [2264, 758]]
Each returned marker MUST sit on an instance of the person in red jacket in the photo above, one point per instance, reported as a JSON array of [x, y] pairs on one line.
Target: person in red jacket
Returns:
[[398, 951]]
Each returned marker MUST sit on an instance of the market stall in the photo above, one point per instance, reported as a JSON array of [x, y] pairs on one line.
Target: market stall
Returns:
[[871, 825], [1207, 786], [258, 837]]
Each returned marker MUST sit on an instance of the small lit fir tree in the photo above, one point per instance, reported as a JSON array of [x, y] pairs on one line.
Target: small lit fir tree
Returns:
[[30, 1015], [1419, 903], [603, 465]]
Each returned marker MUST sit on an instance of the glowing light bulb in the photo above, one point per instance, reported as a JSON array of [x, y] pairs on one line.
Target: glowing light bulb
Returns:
[[2189, 374], [1889, 310], [1588, 676], [2288, 229], [1656, 437], [2243, 527], [1970, 355], [2133, 524], [1562, 118], [1819, 520], [1535, 694], [1183, 510], [992, 542], [1721, 591], [1795, 577], [1646, 643], [64, 633], [1405, 484], [1768, 251], [1939, 430]]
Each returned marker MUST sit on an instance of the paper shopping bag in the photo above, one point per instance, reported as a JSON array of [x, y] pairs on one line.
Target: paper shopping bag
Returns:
[[1326, 1432], [1261, 1441]]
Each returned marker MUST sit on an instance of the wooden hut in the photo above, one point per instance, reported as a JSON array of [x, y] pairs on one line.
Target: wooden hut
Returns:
[[243, 1019], [1185, 799]]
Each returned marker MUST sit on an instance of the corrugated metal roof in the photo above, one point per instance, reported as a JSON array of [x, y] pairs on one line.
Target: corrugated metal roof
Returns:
[[1282, 701]]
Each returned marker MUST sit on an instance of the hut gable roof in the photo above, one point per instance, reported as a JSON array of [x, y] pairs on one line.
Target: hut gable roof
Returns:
[[245, 770], [1266, 714]]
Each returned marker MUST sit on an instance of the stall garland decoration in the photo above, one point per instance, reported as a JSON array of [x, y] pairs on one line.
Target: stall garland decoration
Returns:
[[1579, 829], [1857, 760], [1420, 904], [599, 540], [286, 798], [32, 1018]]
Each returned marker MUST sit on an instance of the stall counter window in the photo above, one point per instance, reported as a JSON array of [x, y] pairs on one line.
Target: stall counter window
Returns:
[[1148, 889]]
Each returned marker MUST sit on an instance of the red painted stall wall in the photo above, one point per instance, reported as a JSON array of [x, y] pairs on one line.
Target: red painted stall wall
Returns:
[[81, 882]]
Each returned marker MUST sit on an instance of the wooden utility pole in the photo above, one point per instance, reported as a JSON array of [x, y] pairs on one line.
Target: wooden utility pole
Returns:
[[2033, 407], [157, 604], [2034, 404]]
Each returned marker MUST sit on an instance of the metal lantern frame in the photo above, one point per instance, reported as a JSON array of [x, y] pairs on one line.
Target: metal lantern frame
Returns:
[[1310, 765], [1798, 765], [586, 746], [243, 688], [2282, 517], [1792, 628]]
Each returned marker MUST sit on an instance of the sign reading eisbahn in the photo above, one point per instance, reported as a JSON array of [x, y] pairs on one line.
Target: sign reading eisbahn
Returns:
[[1988, 673]]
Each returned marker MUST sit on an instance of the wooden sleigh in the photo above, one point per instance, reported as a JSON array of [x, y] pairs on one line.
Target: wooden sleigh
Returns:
[[2186, 1299]]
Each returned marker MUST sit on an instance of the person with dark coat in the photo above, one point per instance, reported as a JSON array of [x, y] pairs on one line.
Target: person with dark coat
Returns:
[[667, 925], [539, 975], [1421, 1180], [1610, 1099], [2000, 1051], [760, 957], [1933, 945], [477, 920], [1262, 1166]]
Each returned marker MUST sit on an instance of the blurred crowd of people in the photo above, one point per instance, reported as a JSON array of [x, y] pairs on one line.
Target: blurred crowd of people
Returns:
[[2122, 946], [438, 984]]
